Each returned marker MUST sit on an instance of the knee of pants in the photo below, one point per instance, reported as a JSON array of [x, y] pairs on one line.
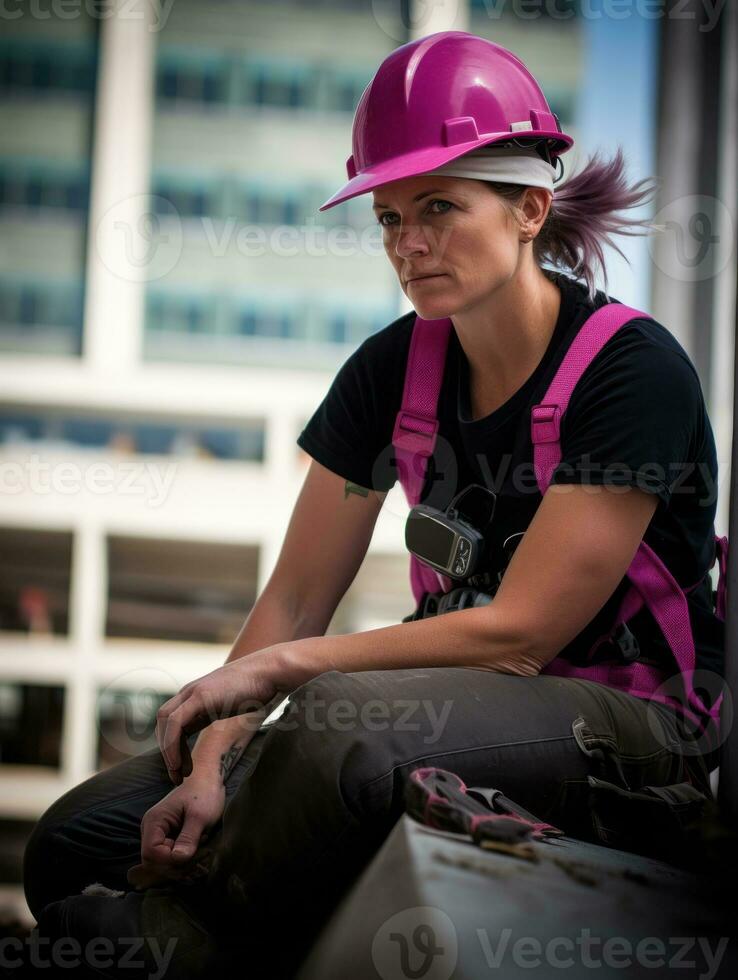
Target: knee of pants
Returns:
[[42, 857], [302, 802], [331, 735], [37, 867], [51, 867], [94, 822]]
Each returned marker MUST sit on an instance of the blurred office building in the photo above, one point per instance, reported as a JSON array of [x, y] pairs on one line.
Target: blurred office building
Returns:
[[173, 307]]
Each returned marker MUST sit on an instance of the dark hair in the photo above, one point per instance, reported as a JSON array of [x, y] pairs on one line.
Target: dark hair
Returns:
[[583, 216]]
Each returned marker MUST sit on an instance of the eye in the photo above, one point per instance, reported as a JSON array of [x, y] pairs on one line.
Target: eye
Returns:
[[438, 200], [435, 200]]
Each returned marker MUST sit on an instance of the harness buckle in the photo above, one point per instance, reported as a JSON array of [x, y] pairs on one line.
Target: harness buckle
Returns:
[[626, 642], [414, 433], [545, 422]]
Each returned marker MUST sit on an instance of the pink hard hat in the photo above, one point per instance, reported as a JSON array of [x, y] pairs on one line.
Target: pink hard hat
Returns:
[[437, 98]]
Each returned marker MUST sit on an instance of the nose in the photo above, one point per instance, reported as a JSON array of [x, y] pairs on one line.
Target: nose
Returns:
[[411, 241]]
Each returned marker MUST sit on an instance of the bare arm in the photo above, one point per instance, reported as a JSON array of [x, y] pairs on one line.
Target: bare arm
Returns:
[[572, 557], [300, 596]]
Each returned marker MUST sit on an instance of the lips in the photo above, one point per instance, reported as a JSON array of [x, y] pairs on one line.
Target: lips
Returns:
[[432, 275]]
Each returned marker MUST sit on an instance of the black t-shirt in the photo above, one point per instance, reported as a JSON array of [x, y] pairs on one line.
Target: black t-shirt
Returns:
[[636, 417]]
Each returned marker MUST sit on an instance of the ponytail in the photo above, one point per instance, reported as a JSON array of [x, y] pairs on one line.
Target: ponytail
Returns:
[[583, 217]]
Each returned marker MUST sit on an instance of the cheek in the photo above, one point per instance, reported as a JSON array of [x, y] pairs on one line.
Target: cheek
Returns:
[[495, 253]]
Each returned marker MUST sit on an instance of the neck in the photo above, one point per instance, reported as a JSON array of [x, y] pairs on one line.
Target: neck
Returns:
[[505, 336]]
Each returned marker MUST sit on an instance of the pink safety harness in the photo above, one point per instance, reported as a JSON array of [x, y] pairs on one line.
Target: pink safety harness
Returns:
[[651, 583]]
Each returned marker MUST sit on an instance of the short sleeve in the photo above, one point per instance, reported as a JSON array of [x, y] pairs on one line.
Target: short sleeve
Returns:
[[634, 418]]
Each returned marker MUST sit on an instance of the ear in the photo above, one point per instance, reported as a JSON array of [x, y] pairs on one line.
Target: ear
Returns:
[[534, 207]]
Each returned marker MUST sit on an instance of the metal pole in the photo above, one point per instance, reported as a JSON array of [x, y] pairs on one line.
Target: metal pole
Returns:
[[728, 782]]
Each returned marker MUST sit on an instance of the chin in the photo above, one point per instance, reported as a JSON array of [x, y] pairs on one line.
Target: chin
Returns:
[[433, 307]]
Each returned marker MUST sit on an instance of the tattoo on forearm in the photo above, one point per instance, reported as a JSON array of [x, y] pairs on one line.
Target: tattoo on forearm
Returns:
[[229, 758], [354, 488]]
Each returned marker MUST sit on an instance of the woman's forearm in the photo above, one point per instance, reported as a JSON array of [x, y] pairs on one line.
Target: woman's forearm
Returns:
[[486, 637], [271, 621]]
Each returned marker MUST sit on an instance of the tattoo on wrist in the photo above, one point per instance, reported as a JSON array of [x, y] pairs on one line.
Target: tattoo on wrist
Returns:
[[229, 758]]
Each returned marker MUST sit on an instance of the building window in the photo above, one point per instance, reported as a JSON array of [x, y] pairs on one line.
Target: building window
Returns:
[[287, 86], [30, 724], [228, 79], [264, 323], [41, 184], [44, 317], [352, 327], [192, 76], [38, 67], [194, 201], [35, 570], [169, 311], [131, 434], [193, 591]]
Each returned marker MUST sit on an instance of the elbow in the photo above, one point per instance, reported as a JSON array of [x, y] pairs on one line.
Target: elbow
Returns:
[[510, 648], [521, 665], [529, 664], [535, 652]]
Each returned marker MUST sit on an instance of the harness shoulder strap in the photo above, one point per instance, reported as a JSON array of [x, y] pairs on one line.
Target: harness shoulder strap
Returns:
[[546, 416], [416, 428], [416, 424], [653, 584]]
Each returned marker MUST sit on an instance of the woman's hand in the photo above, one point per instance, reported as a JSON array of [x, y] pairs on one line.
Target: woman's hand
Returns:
[[174, 830], [243, 686]]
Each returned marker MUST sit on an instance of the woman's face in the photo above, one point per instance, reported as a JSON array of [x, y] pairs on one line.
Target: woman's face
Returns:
[[453, 231]]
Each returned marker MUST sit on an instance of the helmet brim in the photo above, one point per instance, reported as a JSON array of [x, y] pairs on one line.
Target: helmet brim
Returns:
[[421, 161]]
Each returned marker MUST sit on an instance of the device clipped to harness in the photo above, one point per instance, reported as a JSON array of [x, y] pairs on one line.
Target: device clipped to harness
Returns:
[[454, 543]]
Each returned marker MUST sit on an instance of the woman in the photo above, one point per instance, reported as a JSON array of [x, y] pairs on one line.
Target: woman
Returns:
[[456, 142]]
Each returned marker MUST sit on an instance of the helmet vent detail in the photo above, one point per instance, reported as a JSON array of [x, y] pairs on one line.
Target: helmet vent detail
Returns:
[[463, 129]]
